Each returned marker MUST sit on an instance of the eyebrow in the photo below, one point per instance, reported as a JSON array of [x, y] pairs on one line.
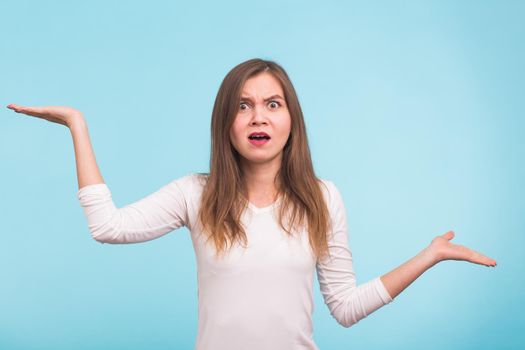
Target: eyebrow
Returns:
[[273, 97]]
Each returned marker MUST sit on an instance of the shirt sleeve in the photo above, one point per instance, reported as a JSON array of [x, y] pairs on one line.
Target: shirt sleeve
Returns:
[[347, 301], [148, 218]]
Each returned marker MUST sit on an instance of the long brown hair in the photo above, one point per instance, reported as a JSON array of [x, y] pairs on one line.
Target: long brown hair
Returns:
[[224, 199]]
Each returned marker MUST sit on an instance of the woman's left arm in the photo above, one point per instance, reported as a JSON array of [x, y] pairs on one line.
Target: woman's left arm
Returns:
[[440, 249]]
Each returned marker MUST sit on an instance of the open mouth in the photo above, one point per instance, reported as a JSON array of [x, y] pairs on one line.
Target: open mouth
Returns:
[[259, 136]]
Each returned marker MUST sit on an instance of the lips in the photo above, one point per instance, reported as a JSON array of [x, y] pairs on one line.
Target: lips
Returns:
[[259, 138], [261, 135]]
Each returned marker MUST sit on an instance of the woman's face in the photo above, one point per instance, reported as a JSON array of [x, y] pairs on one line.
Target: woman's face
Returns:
[[262, 110]]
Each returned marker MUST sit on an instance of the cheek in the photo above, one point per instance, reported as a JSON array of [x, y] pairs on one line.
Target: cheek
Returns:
[[235, 133], [286, 126]]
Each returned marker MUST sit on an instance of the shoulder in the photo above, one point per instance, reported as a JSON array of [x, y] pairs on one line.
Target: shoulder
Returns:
[[192, 179], [333, 198], [330, 190], [191, 182]]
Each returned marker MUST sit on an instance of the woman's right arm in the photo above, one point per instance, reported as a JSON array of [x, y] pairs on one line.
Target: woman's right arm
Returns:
[[143, 220], [148, 218]]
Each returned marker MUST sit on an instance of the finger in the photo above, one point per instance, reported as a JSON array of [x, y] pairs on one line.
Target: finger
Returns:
[[14, 107], [34, 111], [37, 110], [481, 259], [465, 253], [18, 107], [449, 235]]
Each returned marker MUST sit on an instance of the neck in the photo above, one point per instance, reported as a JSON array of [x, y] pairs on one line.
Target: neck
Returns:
[[260, 179]]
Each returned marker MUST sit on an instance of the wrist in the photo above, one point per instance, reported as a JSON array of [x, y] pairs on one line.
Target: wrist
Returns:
[[430, 256], [77, 122]]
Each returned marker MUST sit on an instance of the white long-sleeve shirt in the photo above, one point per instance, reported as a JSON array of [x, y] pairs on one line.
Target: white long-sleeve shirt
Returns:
[[254, 298]]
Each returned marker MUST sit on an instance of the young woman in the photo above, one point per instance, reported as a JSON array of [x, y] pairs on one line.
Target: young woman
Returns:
[[261, 222]]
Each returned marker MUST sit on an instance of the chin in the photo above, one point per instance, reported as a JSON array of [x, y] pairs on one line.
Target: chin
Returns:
[[259, 160]]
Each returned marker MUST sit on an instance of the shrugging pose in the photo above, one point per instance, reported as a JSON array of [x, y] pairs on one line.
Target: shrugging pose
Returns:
[[261, 222]]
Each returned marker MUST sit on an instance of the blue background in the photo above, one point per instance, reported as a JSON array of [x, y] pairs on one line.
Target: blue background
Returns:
[[413, 108]]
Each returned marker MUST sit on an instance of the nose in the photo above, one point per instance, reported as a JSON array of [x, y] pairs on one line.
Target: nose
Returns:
[[258, 116]]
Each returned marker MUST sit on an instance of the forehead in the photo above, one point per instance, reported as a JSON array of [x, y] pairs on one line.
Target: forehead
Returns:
[[262, 85]]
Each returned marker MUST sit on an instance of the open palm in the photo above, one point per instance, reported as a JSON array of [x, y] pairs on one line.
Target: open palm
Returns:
[[446, 250], [55, 114]]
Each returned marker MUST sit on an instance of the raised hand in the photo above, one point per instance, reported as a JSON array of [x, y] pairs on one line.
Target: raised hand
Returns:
[[55, 114], [439, 249], [87, 169], [443, 249]]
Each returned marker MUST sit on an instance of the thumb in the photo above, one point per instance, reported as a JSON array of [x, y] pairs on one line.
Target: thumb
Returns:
[[449, 235]]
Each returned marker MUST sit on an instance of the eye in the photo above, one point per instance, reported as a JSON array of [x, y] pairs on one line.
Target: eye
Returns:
[[274, 104], [243, 106]]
